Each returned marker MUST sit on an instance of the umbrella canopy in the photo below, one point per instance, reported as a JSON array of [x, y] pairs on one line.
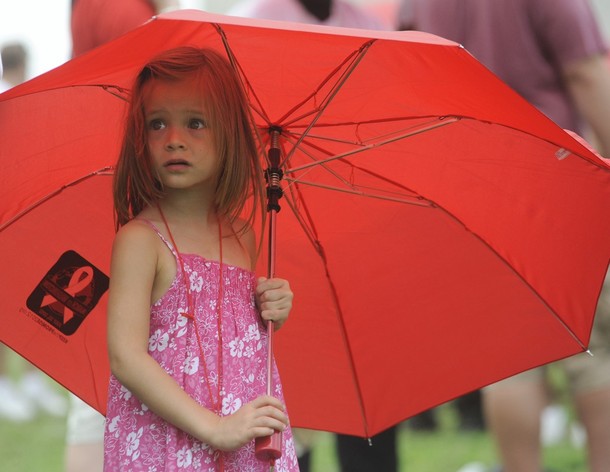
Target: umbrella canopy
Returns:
[[438, 231]]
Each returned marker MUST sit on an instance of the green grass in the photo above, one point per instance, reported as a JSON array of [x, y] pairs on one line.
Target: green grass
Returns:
[[33, 446], [448, 449], [39, 446]]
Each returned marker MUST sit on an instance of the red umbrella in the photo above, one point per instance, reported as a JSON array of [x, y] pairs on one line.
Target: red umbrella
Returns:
[[439, 232]]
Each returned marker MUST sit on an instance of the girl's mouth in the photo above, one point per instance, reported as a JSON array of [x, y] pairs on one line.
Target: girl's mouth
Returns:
[[176, 164]]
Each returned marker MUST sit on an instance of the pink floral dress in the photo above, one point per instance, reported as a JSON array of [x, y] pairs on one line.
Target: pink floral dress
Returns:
[[136, 439]]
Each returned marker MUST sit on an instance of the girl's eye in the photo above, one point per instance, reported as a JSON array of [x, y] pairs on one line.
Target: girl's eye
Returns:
[[156, 124], [196, 124]]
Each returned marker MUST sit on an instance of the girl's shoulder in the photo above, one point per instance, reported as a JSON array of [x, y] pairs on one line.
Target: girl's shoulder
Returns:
[[135, 228], [135, 252], [137, 233]]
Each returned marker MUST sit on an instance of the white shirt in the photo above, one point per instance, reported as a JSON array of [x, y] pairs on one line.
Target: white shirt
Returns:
[[342, 14]]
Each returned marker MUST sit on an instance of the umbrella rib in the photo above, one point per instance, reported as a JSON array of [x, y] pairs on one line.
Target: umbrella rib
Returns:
[[520, 277], [242, 76], [331, 95], [442, 121], [311, 235], [246, 85], [348, 346], [100, 396], [355, 57], [307, 228], [290, 137], [117, 91], [103, 171], [415, 200], [359, 124]]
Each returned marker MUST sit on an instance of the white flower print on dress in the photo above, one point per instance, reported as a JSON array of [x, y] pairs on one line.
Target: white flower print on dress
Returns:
[[196, 282], [191, 364], [133, 443], [237, 347], [230, 404], [213, 380], [181, 323], [184, 457], [253, 333], [142, 411], [249, 369], [158, 341], [249, 351], [113, 426], [125, 394]]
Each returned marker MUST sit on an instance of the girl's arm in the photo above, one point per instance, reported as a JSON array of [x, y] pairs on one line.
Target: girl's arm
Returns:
[[588, 81], [134, 267]]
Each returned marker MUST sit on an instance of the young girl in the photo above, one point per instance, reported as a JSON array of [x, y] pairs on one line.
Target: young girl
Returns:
[[186, 340]]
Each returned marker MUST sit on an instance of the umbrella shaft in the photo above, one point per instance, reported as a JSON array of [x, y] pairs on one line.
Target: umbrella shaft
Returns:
[[270, 274]]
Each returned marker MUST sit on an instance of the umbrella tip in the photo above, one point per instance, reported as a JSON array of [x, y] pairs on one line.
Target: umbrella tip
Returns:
[[590, 353]]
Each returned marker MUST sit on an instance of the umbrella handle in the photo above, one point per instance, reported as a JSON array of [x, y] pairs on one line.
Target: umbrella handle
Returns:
[[269, 448]]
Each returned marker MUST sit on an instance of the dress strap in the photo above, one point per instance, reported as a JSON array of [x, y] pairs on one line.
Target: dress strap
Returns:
[[168, 243], [190, 314]]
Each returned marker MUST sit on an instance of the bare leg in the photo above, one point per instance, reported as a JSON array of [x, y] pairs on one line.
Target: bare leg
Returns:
[[594, 411], [512, 412], [85, 457], [14, 405], [84, 438]]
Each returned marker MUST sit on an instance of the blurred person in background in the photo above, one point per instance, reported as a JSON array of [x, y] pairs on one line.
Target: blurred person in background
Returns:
[[553, 54], [318, 12], [24, 390], [95, 22], [14, 65]]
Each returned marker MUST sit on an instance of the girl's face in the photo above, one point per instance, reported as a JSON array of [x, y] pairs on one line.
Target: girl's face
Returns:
[[179, 138]]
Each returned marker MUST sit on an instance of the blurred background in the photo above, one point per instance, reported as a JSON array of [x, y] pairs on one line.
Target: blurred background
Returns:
[[43, 27]]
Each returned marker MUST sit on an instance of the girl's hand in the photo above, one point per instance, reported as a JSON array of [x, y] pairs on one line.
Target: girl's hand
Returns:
[[274, 300], [261, 417]]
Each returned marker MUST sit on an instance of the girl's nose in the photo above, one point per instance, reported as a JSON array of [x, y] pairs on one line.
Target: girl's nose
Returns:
[[174, 139]]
